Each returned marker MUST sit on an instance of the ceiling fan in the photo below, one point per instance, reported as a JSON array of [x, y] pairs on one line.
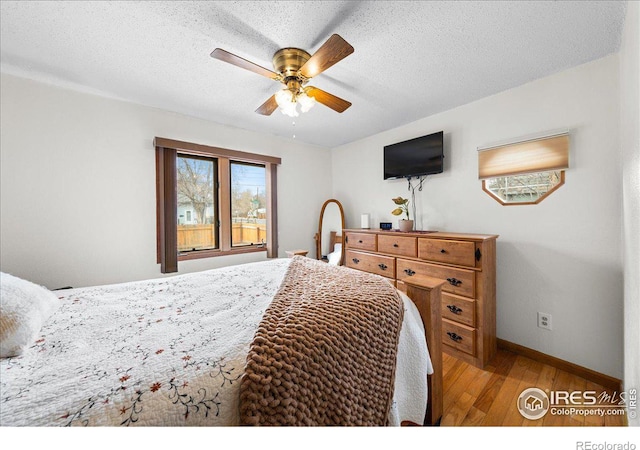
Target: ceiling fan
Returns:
[[294, 68]]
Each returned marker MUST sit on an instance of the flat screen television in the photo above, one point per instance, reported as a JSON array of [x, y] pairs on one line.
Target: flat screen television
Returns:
[[415, 157]]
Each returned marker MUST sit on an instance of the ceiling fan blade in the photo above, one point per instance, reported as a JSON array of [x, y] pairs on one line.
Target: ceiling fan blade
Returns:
[[230, 58], [268, 107], [330, 100], [332, 51]]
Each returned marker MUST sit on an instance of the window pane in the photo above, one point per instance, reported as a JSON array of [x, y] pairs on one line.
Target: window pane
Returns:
[[525, 188], [197, 209], [248, 204]]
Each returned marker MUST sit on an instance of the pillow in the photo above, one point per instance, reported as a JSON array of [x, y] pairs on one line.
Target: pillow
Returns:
[[24, 307], [334, 256]]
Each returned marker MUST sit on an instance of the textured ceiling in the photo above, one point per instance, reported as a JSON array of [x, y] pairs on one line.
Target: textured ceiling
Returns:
[[412, 59]]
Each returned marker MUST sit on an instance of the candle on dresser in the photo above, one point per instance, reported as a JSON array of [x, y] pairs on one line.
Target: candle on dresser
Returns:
[[364, 221]]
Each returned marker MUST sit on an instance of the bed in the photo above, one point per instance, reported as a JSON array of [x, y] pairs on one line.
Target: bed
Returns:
[[184, 350]]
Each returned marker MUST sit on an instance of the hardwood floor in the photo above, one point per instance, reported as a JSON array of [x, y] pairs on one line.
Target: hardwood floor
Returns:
[[488, 397]]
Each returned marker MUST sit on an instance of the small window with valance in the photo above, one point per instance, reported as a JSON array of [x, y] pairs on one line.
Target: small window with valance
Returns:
[[524, 172]]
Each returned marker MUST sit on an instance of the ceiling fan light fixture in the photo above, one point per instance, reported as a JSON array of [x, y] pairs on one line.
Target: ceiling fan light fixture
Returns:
[[286, 100], [290, 110], [306, 102], [284, 97]]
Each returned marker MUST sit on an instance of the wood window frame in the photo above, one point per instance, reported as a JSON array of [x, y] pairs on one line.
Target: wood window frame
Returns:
[[167, 151]]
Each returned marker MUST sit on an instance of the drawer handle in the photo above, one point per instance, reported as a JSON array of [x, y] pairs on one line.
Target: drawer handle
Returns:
[[454, 337], [454, 281], [443, 251], [454, 309], [355, 260], [395, 245], [359, 242], [382, 266], [409, 272]]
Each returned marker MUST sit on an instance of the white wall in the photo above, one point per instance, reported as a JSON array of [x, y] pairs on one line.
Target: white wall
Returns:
[[78, 200], [561, 257], [630, 144], [77, 197]]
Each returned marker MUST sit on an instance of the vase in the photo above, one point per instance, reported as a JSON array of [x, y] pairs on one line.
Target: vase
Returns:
[[405, 225]]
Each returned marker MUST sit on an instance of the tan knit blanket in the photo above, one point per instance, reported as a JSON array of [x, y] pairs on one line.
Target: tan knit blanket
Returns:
[[325, 350]]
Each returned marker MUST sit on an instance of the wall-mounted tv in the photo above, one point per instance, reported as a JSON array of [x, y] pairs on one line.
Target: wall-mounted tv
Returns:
[[415, 157]]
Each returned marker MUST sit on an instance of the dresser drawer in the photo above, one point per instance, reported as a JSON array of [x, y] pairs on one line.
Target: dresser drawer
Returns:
[[459, 309], [397, 245], [465, 263], [458, 336], [362, 241], [378, 264], [459, 281], [461, 253]]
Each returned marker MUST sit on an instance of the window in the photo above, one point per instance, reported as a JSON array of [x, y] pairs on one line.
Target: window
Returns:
[[196, 183], [248, 204], [524, 172], [213, 202], [528, 188]]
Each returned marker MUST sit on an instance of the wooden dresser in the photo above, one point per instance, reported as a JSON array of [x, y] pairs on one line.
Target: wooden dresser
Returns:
[[467, 262]]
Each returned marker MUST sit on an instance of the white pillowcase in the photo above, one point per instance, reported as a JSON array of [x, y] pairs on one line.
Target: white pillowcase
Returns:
[[24, 308], [334, 257]]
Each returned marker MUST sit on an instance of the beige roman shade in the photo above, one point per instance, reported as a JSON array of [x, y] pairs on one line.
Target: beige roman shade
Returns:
[[533, 155]]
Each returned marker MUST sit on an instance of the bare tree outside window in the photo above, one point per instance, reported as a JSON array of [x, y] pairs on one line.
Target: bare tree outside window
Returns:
[[195, 182]]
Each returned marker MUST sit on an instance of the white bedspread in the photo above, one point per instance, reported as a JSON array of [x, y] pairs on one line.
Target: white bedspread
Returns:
[[165, 352]]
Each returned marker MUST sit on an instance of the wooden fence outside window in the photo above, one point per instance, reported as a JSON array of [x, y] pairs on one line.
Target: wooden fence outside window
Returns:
[[204, 236]]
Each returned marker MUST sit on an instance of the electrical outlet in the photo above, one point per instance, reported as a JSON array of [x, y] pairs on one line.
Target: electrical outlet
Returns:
[[544, 320]]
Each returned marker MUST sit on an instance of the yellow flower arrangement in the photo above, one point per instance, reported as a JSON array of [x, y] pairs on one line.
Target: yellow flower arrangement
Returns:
[[403, 206]]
